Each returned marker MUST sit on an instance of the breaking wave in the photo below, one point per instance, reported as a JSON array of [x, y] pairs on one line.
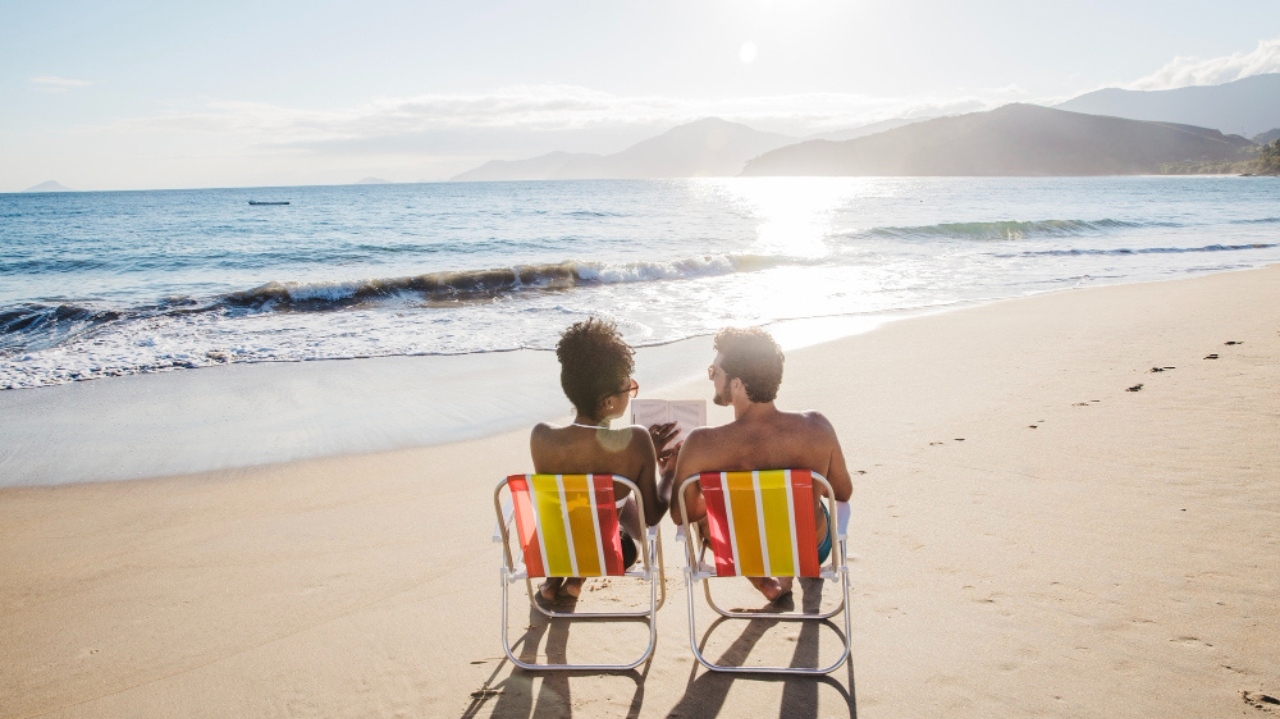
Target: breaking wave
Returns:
[[1010, 229], [33, 326], [1077, 252]]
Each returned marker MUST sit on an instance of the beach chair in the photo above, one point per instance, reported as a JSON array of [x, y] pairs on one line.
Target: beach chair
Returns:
[[761, 524], [566, 525]]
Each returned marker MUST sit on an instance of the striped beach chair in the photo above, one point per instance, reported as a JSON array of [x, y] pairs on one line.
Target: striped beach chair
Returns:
[[566, 525], [761, 524]]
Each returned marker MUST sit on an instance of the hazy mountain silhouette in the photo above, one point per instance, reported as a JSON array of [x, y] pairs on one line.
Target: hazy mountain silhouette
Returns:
[[1012, 140], [710, 147], [543, 167], [1244, 107], [49, 186], [854, 133], [1268, 136]]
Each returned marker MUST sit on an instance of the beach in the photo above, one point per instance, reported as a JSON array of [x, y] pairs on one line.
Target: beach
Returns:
[[1042, 526]]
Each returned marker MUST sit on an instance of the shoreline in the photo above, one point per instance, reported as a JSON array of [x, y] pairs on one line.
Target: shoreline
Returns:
[[1029, 538], [280, 412]]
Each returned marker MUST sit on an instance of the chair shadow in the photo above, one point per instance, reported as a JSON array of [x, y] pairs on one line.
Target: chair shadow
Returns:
[[515, 695], [705, 695]]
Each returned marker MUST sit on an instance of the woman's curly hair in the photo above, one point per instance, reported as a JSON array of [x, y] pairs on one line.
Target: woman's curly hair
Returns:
[[594, 362]]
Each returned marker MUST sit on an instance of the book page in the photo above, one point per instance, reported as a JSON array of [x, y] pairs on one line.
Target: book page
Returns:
[[648, 412], [687, 414]]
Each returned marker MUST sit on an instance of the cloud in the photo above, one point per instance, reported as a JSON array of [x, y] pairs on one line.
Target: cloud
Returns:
[[49, 83], [551, 109], [1184, 71]]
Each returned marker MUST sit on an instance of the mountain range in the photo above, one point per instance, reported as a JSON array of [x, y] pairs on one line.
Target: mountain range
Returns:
[[1245, 107], [710, 147], [1110, 131], [1012, 140]]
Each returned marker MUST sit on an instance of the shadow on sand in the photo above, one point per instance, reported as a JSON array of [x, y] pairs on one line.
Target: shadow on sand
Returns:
[[515, 695], [705, 694]]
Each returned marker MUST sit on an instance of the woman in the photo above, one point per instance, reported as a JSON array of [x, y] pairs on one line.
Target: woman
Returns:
[[595, 372]]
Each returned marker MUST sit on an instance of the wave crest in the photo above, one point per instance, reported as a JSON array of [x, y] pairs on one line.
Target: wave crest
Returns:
[[1076, 252], [1010, 229]]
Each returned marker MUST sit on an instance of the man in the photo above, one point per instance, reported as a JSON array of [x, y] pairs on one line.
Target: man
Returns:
[[746, 374]]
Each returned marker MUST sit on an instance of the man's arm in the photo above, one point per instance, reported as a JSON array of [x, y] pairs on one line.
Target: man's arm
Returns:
[[688, 463], [837, 472]]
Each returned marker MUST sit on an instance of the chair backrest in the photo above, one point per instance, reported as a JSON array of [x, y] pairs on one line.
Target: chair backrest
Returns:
[[567, 524], [761, 524]]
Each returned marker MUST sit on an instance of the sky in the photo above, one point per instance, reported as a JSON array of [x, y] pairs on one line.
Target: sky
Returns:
[[139, 94]]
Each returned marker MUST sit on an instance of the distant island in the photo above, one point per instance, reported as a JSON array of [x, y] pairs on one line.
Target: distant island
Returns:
[[49, 186], [373, 181], [1012, 140]]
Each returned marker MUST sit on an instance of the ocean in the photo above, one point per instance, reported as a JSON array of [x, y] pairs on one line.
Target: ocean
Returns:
[[105, 284]]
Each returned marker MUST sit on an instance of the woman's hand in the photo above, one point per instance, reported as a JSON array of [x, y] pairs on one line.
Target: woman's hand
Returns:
[[661, 435]]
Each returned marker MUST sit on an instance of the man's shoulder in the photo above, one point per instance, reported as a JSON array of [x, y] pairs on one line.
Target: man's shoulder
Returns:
[[807, 419]]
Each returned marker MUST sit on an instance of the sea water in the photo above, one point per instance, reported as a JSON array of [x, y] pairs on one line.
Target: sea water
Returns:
[[115, 283]]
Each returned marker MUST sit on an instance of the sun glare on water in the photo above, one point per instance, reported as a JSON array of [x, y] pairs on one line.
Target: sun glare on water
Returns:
[[794, 213]]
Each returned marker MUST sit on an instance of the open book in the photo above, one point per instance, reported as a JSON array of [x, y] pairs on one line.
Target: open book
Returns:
[[686, 413]]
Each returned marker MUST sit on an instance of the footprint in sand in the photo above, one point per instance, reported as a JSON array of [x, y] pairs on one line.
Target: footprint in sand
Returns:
[[1211, 356], [1135, 388], [1233, 342], [1258, 700]]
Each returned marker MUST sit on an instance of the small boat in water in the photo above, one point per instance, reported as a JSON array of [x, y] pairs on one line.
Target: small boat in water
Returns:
[[268, 202]]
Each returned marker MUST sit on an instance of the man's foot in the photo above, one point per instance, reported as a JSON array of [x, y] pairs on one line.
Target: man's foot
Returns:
[[772, 589]]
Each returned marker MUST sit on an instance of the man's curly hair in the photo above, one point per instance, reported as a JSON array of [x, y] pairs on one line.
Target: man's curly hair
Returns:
[[751, 355], [594, 362]]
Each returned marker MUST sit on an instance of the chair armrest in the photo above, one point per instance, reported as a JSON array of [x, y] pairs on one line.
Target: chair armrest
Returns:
[[508, 513], [842, 519]]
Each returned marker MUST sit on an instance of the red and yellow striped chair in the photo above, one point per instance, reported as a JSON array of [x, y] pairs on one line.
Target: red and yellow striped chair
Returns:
[[761, 524], [566, 525]]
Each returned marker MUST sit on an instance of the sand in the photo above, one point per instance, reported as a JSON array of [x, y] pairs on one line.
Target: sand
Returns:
[[1029, 538]]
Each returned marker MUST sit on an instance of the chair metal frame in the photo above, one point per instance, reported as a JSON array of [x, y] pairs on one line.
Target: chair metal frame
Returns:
[[697, 571], [514, 570]]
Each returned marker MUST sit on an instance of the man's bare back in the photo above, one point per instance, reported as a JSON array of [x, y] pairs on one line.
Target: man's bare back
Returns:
[[760, 437]]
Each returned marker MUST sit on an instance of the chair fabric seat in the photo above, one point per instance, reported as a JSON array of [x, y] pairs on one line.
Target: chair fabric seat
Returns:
[[567, 525], [761, 524]]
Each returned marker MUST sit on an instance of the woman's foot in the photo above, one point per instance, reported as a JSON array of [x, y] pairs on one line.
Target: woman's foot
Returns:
[[550, 588], [572, 587], [556, 587]]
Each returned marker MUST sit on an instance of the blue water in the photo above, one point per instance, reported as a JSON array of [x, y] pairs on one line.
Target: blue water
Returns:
[[104, 284]]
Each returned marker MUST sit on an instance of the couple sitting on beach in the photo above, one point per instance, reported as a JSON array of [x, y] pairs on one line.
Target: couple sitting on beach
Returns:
[[595, 371]]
